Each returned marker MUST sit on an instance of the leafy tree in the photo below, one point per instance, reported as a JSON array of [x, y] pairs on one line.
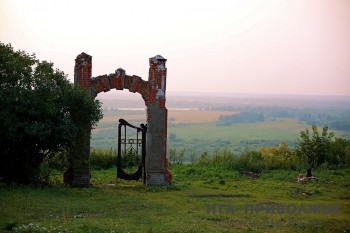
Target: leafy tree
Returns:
[[41, 113], [314, 147], [340, 152]]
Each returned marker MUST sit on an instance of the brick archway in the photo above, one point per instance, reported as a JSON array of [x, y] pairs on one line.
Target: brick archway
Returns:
[[153, 93], [119, 81]]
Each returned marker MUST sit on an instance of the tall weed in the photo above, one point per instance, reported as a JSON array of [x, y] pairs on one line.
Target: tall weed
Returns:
[[103, 159]]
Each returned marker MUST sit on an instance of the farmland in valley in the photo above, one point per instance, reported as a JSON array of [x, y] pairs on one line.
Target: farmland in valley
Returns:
[[193, 122]]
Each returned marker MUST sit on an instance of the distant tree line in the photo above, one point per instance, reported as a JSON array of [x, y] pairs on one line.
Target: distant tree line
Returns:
[[337, 119], [241, 118]]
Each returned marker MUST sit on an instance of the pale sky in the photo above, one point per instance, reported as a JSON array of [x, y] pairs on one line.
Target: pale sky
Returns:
[[237, 46]]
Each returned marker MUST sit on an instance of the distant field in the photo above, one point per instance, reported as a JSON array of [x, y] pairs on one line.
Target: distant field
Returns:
[[208, 137], [174, 115], [196, 116], [283, 129], [196, 131]]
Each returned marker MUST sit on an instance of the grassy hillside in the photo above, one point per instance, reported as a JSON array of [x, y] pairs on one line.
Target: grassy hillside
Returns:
[[205, 196], [186, 206]]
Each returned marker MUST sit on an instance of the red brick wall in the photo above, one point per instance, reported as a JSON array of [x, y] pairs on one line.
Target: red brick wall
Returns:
[[152, 92]]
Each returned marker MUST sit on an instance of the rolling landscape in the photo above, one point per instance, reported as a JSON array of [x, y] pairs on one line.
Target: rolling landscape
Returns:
[[200, 123], [236, 116]]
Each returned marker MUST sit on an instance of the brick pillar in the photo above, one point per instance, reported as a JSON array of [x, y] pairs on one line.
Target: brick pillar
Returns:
[[157, 120], [82, 71], [79, 171]]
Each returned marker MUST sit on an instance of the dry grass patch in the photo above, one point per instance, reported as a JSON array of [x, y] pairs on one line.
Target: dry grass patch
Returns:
[[196, 116]]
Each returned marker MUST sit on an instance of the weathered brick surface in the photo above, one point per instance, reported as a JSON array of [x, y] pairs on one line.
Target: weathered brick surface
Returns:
[[82, 70], [157, 119], [153, 93], [79, 171], [81, 177]]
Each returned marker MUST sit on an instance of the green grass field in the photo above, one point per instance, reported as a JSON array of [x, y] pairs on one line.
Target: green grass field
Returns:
[[185, 206], [209, 137], [275, 202]]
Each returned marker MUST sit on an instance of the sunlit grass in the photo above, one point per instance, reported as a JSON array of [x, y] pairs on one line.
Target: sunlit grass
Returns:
[[112, 205]]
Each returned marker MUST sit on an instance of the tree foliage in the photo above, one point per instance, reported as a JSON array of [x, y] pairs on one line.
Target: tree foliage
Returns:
[[340, 152], [315, 148], [241, 118], [279, 157], [41, 113]]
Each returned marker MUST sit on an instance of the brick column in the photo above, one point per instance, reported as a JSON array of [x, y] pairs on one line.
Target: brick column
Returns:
[[157, 120], [79, 170], [82, 71]]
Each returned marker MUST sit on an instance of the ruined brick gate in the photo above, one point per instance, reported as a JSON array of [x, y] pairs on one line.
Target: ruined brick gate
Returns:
[[152, 92]]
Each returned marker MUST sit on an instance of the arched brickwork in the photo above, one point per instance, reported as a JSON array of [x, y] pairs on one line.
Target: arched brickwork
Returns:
[[119, 81], [153, 93]]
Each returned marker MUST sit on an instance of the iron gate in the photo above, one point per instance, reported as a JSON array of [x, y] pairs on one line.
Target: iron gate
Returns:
[[131, 151]]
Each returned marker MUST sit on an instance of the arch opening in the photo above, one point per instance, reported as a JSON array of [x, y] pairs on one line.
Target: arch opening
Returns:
[[117, 104]]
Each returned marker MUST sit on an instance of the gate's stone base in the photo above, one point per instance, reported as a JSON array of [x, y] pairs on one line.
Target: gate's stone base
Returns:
[[161, 177], [81, 177], [77, 176], [155, 178]]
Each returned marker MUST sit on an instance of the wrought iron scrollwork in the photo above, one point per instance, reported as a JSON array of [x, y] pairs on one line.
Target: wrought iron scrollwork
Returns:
[[131, 152]]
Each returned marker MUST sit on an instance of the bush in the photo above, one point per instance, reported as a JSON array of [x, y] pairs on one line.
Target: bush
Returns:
[[176, 157], [103, 159], [204, 159], [57, 162], [272, 158], [280, 157], [248, 161], [340, 152], [315, 147], [40, 114], [222, 158]]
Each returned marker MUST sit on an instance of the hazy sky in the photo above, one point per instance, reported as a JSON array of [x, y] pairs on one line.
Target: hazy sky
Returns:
[[237, 46]]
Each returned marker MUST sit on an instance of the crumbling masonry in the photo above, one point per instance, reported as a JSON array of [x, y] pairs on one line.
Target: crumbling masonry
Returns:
[[153, 93]]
